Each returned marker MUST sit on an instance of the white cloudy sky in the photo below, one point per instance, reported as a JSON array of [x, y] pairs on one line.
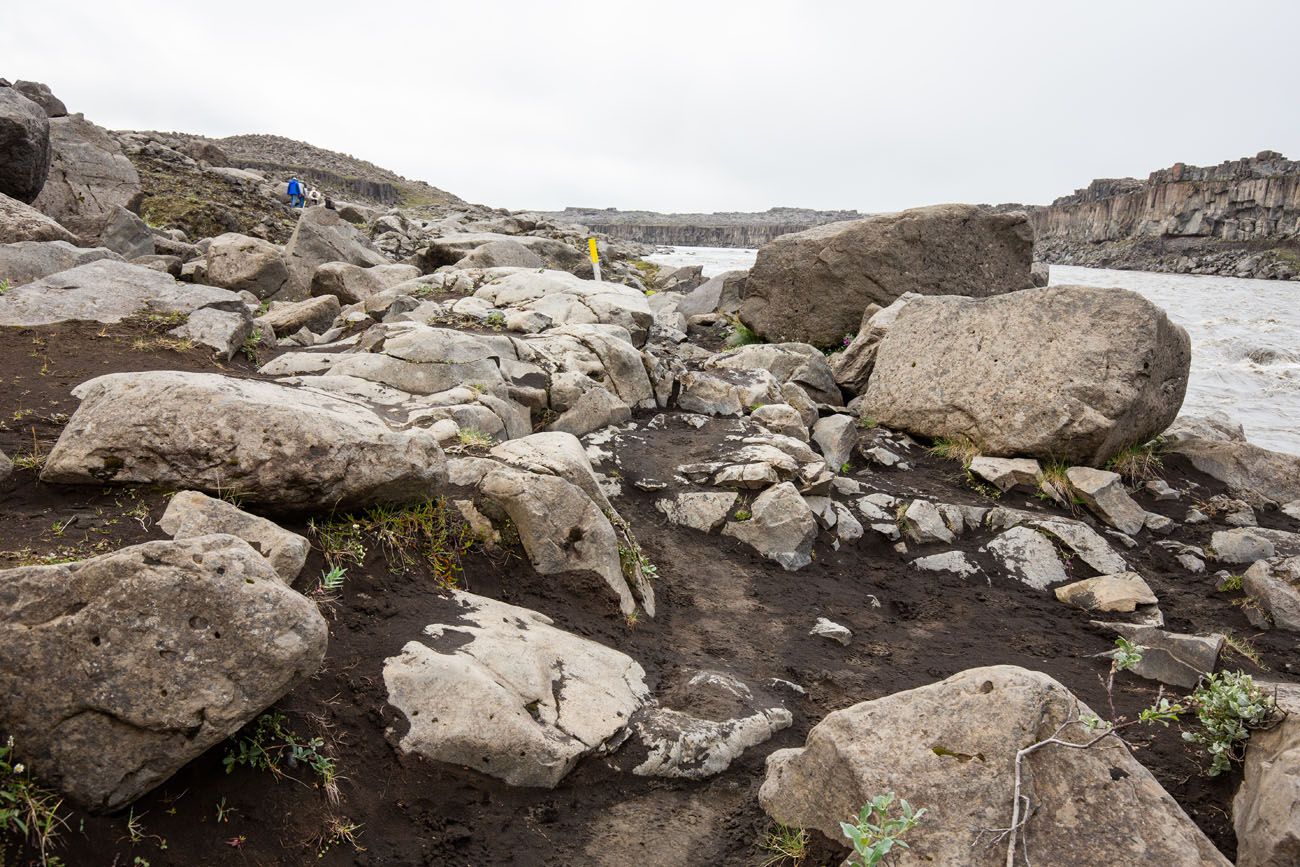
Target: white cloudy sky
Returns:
[[703, 105]]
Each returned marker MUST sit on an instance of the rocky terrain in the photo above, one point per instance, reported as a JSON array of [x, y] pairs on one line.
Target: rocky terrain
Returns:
[[398, 539], [722, 229], [1240, 218]]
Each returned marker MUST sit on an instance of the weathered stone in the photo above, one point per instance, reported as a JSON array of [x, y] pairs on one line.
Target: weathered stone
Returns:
[[241, 263], [288, 317], [791, 363], [452, 250], [1218, 448], [1067, 373], [1243, 545], [500, 690], [89, 175], [836, 435], [781, 418], [190, 514], [352, 284], [118, 670], [291, 448], [1028, 556], [503, 253], [1122, 592], [703, 511], [719, 294], [6, 467], [696, 730], [1266, 810], [813, 286], [107, 291], [22, 222], [1007, 473], [42, 95], [597, 408], [222, 331], [322, 236], [1171, 657], [27, 261], [727, 392], [955, 562], [829, 629], [1103, 493], [781, 527], [24, 146], [1160, 490], [570, 300], [1274, 587], [124, 233], [951, 746], [922, 523]]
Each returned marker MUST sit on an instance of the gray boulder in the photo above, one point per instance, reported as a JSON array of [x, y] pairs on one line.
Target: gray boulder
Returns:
[[1104, 494], [570, 300], [222, 331], [125, 234], [283, 447], [107, 290], [242, 263], [42, 95], [505, 253], [796, 363], [499, 689], [22, 222], [452, 249], [89, 176], [352, 284], [1273, 585], [1218, 448], [1265, 811], [288, 317], [190, 514], [781, 527], [950, 747], [24, 146], [26, 261], [118, 670], [1067, 373], [719, 294], [813, 286], [323, 236]]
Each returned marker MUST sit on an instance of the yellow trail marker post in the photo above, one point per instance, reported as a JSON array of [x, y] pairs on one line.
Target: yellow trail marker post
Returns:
[[595, 258]]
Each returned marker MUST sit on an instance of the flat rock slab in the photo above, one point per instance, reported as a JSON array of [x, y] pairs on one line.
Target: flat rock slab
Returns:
[[1123, 592], [191, 513], [500, 690]]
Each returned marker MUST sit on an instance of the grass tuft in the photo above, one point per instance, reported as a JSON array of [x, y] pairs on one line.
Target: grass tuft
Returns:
[[959, 448], [27, 811], [785, 845], [1137, 463]]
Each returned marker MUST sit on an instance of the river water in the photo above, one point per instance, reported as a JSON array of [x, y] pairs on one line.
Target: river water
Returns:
[[1245, 337]]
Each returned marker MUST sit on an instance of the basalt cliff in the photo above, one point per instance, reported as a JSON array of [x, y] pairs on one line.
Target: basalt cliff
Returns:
[[1240, 218], [721, 229]]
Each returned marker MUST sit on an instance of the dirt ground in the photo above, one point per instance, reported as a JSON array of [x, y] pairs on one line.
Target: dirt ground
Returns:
[[720, 607]]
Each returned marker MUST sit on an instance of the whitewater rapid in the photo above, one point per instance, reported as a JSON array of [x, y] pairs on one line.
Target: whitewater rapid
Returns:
[[1245, 337]]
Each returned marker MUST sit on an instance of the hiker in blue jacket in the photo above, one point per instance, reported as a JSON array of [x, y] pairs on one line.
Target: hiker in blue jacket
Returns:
[[296, 197]]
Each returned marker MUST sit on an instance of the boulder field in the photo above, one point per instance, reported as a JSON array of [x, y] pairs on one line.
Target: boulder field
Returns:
[[406, 541]]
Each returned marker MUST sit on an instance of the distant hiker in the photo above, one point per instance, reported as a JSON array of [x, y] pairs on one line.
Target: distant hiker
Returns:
[[295, 193], [314, 197]]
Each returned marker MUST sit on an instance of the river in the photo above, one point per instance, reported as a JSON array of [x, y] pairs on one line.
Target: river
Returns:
[[1245, 337]]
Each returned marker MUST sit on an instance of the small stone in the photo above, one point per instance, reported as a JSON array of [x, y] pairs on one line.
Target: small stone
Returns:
[[833, 631], [1242, 545], [1007, 473], [1028, 556], [1160, 524], [1104, 495], [1195, 516], [1123, 592], [705, 512], [923, 522], [835, 437], [882, 456], [1191, 563], [949, 561], [1160, 490]]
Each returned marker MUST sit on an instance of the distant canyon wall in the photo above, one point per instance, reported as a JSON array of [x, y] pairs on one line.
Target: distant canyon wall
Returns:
[[729, 229], [1239, 218]]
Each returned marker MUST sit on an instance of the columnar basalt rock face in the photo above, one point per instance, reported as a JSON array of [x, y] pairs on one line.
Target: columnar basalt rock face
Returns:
[[1217, 219]]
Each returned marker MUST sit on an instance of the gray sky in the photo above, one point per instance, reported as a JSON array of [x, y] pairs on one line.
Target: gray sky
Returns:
[[702, 105]]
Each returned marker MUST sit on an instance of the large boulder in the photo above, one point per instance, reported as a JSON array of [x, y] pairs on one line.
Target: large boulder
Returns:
[[951, 747], [500, 690], [812, 286], [453, 249], [24, 146], [506, 253], [323, 236], [21, 222], [239, 262], [26, 261], [107, 290], [352, 284], [1218, 448], [1266, 810], [287, 448], [124, 233], [89, 176], [118, 670], [719, 294], [1065, 373], [42, 95]]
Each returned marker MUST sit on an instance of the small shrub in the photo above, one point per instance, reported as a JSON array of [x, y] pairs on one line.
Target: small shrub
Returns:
[[424, 534], [742, 515], [272, 746], [876, 833], [1231, 584], [26, 810], [495, 319], [868, 422], [955, 449], [741, 335], [1229, 706], [4, 286], [1137, 463], [475, 439], [332, 581], [785, 844]]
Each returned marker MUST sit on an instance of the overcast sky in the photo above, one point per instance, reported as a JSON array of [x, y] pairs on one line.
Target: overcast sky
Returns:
[[694, 106]]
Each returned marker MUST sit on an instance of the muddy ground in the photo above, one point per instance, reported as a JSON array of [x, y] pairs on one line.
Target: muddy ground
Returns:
[[720, 607]]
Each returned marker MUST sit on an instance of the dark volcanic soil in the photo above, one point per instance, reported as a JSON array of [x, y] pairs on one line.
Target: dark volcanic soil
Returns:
[[720, 606]]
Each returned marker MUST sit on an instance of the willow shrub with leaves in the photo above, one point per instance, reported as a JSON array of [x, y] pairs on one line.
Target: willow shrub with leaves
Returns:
[[876, 833]]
